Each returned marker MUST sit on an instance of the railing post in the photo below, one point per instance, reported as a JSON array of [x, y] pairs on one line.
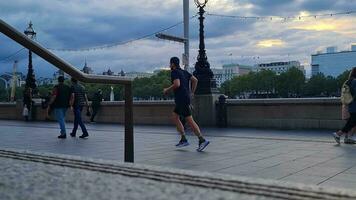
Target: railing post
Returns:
[[129, 137]]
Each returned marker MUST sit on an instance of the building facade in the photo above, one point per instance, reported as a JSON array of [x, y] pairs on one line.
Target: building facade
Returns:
[[333, 63], [87, 69], [6, 79], [280, 67], [232, 70], [227, 72], [138, 74]]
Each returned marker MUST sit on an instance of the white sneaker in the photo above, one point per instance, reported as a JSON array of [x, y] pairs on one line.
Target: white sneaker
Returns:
[[336, 137], [349, 140], [202, 146]]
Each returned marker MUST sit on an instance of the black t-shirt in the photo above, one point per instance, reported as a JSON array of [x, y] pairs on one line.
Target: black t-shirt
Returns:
[[62, 93], [182, 93], [98, 97]]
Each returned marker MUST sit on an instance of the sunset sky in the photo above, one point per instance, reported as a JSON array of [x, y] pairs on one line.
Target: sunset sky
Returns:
[[82, 24]]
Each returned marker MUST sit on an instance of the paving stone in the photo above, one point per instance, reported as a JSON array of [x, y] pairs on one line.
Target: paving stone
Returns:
[[262, 155]]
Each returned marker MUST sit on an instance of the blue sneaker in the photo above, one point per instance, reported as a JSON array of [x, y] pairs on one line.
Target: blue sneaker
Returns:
[[182, 143], [202, 145]]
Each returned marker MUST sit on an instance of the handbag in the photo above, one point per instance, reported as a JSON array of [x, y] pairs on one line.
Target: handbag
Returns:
[[25, 111]]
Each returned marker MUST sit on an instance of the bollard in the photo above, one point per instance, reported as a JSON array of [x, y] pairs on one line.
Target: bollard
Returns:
[[221, 112]]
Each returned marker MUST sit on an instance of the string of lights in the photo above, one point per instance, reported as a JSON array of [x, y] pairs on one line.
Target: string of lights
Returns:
[[11, 55], [107, 46], [282, 18]]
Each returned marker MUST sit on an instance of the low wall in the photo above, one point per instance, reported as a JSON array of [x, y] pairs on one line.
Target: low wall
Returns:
[[308, 113], [313, 113], [145, 112]]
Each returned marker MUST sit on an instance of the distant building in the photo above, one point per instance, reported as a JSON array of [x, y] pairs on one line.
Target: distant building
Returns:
[[109, 73], [87, 69], [7, 77], [280, 67], [159, 70], [232, 70], [227, 72], [138, 74], [44, 81], [219, 76], [333, 63], [122, 73]]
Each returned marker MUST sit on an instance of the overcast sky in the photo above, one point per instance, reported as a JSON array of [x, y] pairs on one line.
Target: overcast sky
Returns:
[[83, 23]]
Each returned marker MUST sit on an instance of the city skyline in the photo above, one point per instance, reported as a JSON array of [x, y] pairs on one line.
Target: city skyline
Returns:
[[81, 25]]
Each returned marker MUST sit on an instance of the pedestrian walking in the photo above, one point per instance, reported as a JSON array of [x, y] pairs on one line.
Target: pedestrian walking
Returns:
[[78, 100], [348, 92], [60, 102], [345, 115], [184, 85], [27, 103], [95, 104]]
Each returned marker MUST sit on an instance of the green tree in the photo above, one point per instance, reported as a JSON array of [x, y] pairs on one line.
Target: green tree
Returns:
[[315, 86], [152, 87], [290, 83]]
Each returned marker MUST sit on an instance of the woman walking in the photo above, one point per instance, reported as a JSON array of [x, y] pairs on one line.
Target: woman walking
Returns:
[[350, 85]]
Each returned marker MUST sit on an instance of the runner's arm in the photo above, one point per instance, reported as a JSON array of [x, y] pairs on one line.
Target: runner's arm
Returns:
[[71, 101], [175, 85], [53, 97], [194, 83]]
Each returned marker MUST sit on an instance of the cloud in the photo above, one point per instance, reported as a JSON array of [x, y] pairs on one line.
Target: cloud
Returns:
[[82, 24], [270, 43]]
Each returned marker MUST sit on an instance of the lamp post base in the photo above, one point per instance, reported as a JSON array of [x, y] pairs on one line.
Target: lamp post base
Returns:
[[204, 108]]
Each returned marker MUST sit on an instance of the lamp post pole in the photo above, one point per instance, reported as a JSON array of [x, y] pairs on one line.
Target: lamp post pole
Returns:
[[206, 81], [30, 78]]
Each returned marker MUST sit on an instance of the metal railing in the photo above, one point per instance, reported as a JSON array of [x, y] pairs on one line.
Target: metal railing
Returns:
[[35, 47]]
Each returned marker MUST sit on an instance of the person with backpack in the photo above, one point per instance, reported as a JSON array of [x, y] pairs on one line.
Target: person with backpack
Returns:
[[60, 103], [348, 91], [345, 115]]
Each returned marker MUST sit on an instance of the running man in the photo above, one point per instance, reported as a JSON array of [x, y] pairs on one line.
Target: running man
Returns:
[[184, 85]]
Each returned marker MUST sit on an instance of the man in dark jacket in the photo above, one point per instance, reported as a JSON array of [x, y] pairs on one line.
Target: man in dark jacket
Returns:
[[95, 104], [60, 103]]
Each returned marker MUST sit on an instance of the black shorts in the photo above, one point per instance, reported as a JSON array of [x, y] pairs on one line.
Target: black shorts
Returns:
[[183, 110]]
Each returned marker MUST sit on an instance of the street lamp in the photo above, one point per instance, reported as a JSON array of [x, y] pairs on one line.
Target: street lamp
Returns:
[[201, 3], [30, 78], [206, 81]]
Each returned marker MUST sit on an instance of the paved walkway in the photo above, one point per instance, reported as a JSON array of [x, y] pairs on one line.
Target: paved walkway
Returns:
[[309, 157]]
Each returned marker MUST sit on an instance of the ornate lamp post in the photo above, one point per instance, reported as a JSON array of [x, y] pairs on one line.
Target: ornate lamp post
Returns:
[[206, 83], [30, 79]]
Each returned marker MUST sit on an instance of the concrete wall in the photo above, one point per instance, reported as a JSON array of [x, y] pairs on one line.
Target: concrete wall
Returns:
[[313, 113], [145, 112], [318, 113]]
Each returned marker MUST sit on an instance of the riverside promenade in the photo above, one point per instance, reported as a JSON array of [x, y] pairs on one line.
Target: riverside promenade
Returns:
[[298, 156]]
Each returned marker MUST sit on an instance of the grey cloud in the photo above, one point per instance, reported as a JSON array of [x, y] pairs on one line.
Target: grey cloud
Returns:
[[76, 24]]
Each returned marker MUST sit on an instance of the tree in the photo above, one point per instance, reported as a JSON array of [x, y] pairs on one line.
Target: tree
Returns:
[[315, 86], [290, 83], [152, 87]]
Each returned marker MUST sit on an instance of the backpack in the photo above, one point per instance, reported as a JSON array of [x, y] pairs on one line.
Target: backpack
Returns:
[[346, 95]]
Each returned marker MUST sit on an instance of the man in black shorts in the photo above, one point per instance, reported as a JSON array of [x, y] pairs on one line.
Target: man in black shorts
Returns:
[[184, 85]]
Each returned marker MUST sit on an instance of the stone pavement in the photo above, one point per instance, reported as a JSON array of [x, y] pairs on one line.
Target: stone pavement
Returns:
[[29, 175], [309, 157]]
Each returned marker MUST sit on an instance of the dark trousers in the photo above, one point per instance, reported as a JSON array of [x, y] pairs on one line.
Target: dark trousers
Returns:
[[78, 120], [95, 110], [351, 122]]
